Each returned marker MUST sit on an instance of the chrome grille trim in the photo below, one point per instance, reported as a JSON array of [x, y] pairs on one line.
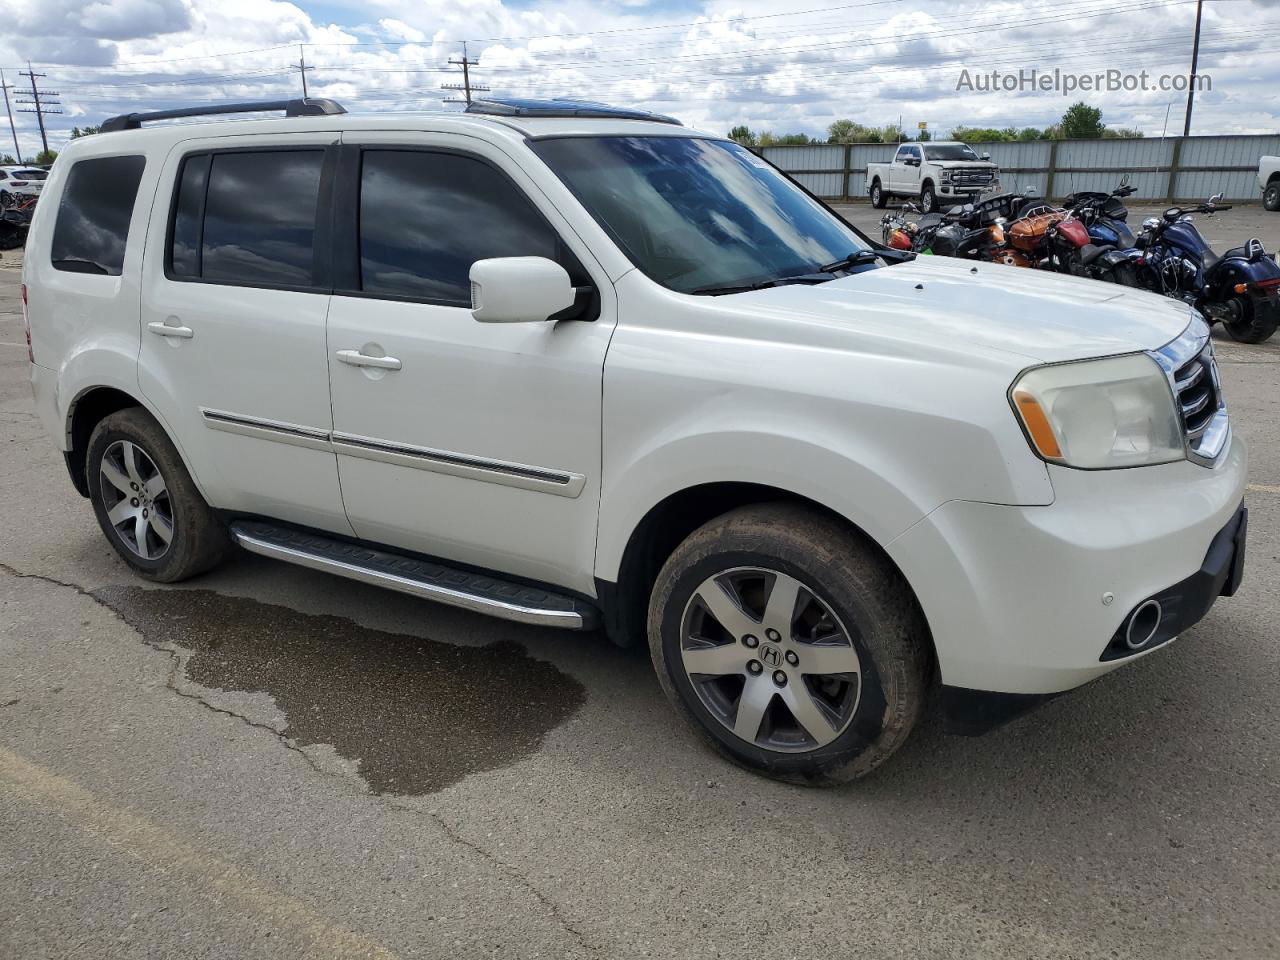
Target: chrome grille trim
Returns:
[[1192, 370]]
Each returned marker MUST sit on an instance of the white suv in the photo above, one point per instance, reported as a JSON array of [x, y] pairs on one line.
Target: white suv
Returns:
[[18, 182], [585, 368]]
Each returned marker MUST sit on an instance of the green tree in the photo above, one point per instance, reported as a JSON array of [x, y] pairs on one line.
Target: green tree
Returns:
[[77, 132], [1030, 133], [7, 160], [45, 157], [1122, 133], [1082, 122], [923, 136], [794, 139], [980, 135], [743, 135]]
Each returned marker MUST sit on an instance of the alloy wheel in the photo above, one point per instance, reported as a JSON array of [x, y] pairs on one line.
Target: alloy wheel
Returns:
[[136, 499], [770, 660]]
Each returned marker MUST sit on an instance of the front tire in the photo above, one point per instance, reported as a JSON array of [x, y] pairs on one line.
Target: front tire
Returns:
[[878, 197], [1252, 319], [1271, 196], [146, 502], [790, 643], [928, 199]]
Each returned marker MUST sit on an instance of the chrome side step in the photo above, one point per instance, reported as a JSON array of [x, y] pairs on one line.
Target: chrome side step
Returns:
[[420, 578]]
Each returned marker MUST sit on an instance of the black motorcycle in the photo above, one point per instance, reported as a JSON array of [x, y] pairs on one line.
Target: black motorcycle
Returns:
[[1240, 288]]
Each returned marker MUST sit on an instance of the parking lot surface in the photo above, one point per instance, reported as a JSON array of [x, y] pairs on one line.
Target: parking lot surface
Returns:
[[271, 762]]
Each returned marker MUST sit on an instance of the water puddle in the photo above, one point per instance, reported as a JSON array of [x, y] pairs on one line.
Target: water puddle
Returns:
[[417, 715]]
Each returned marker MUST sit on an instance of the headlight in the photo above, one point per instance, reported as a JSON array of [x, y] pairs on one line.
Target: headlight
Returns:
[[946, 175], [1100, 414]]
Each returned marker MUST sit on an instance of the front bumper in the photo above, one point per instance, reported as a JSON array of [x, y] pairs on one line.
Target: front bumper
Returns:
[[1027, 600]]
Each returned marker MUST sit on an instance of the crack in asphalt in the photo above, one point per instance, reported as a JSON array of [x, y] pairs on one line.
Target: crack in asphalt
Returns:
[[451, 832]]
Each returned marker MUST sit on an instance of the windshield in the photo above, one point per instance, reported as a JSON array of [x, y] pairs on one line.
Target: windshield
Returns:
[[697, 215], [950, 151]]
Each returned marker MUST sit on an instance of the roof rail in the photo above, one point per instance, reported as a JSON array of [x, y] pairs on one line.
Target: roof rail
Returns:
[[313, 107], [562, 107]]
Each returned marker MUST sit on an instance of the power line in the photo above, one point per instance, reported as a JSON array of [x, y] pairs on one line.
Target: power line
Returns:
[[466, 86], [40, 107]]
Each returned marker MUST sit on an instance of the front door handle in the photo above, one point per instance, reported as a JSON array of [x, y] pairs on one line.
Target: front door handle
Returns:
[[358, 359], [165, 330]]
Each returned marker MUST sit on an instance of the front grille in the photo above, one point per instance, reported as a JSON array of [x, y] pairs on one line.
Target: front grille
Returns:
[[1199, 394], [972, 178]]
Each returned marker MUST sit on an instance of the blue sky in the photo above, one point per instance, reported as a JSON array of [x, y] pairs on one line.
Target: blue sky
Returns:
[[791, 66]]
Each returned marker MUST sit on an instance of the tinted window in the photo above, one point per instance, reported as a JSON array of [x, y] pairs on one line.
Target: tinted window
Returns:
[[184, 255], [699, 214], [92, 228], [426, 217], [260, 217], [30, 174]]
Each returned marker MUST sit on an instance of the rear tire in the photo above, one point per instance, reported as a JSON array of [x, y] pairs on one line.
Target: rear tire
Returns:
[[1271, 196], [146, 502], [1253, 320], [878, 197], [752, 599]]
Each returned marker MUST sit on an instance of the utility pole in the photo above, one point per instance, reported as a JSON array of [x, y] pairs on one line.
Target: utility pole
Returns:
[[41, 107], [302, 69], [4, 85], [466, 86], [1195, 60]]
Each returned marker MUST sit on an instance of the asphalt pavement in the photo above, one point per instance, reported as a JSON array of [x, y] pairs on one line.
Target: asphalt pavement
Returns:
[[271, 762]]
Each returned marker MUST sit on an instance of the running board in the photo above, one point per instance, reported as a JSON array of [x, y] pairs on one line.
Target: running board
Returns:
[[419, 578]]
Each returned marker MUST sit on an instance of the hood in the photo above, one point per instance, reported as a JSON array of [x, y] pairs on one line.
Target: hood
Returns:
[[1034, 314], [961, 163]]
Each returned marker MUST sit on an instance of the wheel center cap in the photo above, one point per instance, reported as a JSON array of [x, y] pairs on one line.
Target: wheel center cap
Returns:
[[770, 655]]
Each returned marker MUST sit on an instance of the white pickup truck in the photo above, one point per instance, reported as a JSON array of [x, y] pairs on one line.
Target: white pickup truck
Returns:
[[934, 172], [1269, 181]]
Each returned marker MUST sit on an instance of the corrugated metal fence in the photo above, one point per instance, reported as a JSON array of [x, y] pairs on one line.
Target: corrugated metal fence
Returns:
[[1174, 168]]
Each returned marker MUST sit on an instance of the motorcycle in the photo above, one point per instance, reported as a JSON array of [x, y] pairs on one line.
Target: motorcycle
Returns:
[[1240, 288], [15, 221], [1110, 252]]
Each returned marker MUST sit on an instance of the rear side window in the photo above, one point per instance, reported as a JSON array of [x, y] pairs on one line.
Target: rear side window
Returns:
[[92, 229], [247, 218], [426, 217]]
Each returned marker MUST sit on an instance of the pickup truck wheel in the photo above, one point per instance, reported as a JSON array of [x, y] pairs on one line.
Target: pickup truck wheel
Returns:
[[146, 502], [877, 196], [1271, 196], [928, 200], [790, 644]]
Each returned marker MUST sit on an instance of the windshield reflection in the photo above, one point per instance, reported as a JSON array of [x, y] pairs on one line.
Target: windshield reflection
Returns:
[[696, 214]]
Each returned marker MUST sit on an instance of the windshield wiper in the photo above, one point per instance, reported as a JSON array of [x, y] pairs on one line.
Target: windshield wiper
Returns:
[[809, 278], [861, 258]]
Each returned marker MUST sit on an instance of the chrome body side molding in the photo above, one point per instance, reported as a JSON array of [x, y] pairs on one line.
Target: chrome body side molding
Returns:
[[521, 475], [277, 430], [525, 476]]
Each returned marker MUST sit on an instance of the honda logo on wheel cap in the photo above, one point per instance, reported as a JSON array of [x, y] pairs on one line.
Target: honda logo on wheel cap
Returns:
[[770, 655]]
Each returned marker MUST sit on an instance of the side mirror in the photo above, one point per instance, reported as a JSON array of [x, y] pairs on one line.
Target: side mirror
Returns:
[[519, 290], [984, 156], [1216, 198], [1124, 181]]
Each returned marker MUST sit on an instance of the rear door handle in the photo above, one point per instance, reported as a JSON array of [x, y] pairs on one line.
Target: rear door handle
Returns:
[[358, 359], [164, 330]]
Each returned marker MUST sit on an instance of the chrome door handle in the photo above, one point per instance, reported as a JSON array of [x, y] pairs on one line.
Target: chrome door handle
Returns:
[[358, 359], [164, 330]]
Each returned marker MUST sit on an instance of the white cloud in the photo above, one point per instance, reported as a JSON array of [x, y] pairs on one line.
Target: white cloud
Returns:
[[869, 60]]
